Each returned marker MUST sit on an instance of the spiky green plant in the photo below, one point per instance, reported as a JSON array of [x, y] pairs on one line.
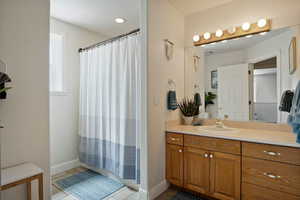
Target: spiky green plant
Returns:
[[4, 89], [188, 107]]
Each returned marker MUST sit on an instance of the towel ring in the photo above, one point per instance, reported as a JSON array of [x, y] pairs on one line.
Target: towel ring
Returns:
[[172, 84], [4, 65]]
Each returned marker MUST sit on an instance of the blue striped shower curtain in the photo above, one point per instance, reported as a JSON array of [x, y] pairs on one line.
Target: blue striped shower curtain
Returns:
[[110, 107]]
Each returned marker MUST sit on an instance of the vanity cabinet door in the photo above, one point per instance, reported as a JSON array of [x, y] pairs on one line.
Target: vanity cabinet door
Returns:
[[196, 170], [225, 176], [174, 164]]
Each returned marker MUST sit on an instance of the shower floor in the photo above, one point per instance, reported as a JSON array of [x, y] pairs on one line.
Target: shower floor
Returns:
[[57, 194]]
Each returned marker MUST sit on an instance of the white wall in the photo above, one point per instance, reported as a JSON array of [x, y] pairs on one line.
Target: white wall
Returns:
[[24, 39], [64, 107], [165, 22]]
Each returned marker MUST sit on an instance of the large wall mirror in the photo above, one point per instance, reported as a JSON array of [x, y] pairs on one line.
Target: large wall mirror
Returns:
[[243, 79]]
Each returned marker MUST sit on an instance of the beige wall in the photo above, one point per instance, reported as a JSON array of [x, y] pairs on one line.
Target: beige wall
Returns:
[[165, 22], [282, 12], [24, 39], [64, 106]]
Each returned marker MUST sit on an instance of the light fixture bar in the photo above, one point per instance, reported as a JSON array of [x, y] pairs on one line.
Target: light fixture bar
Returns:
[[239, 32]]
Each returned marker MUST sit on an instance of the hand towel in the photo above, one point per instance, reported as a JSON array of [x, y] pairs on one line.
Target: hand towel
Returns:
[[294, 116], [172, 101]]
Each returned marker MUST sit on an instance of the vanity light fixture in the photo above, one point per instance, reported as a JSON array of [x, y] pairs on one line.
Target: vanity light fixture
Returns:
[[120, 20], [206, 35], [246, 26], [262, 23], [245, 30], [196, 38], [219, 33]]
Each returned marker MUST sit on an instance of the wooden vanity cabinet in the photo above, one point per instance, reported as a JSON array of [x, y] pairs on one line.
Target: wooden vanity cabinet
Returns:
[[225, 176], [233, 170], [207, 167], [174, 164]]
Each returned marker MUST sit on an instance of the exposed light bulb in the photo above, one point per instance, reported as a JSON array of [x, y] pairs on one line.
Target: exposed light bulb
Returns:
[[231, 30], [206, 35], [246, 26], [219, 33], [196, 38], [262, 23]]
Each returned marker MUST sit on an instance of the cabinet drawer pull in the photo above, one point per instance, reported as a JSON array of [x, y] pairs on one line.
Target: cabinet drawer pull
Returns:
[[206, 155], [174, 139], [180, 150], [271, 153], [211, 155], [272, 176]]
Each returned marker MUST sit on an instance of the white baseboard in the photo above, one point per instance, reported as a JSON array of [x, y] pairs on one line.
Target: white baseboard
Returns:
[[158, 189], [56, 169]]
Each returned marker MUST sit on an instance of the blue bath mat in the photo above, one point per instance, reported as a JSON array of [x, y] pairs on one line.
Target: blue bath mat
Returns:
[[88, 185]]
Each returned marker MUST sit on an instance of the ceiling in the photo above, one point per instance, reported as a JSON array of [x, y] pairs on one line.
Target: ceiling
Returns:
[[188, 7], [98, 15], [240, 43]]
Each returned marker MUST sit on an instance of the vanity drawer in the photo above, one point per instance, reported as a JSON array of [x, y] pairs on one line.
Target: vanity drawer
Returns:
[[213, 144], [273, 175], [253, 192], [271, 152], [175, 138]]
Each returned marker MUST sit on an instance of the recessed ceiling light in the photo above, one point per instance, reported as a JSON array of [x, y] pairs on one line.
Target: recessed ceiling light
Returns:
[[120, 20]]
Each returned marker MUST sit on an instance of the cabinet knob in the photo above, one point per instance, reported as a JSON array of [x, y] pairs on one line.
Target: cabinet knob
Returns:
[[180, 150], [211, 155], [206, 155], [271, 153], [174, 139]]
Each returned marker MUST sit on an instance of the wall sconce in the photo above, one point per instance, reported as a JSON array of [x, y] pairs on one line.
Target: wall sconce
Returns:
[[261, 26]]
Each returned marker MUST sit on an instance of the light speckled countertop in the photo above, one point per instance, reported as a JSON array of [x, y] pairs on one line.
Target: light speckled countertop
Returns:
[[248, 135]]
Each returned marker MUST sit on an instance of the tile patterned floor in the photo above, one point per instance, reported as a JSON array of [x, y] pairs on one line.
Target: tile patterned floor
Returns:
[[57, 194]]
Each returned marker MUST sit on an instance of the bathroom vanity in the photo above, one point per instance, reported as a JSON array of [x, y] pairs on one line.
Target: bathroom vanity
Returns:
[[247, 164]]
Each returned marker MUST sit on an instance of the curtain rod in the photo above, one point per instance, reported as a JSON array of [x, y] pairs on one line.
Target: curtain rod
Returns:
[[109, 40]]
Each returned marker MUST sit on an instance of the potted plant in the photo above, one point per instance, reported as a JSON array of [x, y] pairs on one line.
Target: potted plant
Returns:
[[3, 79], [189, 109], [209, 97]]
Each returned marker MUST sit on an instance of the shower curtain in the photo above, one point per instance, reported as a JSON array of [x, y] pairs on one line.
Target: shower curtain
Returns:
[[110, 107]]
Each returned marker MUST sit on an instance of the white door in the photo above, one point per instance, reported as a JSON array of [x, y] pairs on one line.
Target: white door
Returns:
[[233, 92]]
